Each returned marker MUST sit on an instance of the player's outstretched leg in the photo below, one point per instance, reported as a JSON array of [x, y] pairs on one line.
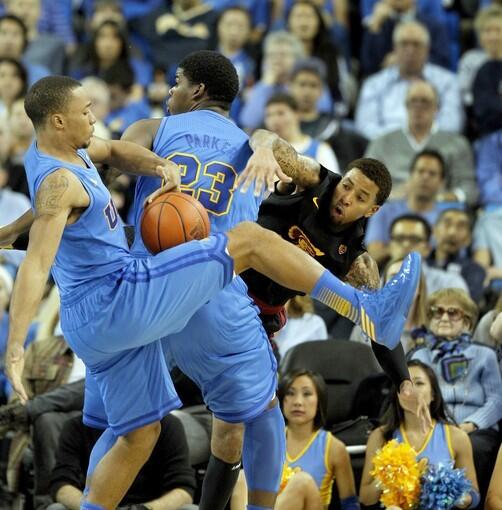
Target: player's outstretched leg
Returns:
[[381, 314]]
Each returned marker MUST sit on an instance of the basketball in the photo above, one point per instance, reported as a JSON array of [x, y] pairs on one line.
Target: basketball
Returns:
[[171, 219]]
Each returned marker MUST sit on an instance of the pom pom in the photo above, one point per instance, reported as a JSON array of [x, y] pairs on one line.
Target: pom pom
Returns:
[[287, 474], [442, 486], [398, 474]]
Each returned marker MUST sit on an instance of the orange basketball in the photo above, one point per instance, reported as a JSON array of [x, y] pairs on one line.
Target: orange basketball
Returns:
[[171, 219]]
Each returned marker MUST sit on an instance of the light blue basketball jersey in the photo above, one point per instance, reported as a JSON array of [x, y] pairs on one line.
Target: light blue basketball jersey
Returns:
[[314, 460], [95, 245], [437, 447], [211, 152]]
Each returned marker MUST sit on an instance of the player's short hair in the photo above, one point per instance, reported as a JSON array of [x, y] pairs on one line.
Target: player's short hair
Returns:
[[377, 172], [283, 98], [414, 218], [429, 153], [215, 71], [47, 96]]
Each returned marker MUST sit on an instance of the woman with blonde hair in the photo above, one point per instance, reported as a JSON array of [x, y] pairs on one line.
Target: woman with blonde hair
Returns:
[[468, 373]]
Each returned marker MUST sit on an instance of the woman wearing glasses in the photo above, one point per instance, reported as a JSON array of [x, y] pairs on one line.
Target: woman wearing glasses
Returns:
[[468, 373]]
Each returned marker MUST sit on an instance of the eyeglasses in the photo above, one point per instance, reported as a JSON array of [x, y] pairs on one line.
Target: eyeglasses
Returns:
[[454, 314], [410, 239]]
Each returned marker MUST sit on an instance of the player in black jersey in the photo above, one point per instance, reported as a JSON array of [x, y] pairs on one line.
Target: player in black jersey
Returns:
[[325, 215]]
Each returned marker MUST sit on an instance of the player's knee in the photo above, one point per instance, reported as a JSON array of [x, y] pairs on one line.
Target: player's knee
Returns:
[[145, 437], [226, 442]]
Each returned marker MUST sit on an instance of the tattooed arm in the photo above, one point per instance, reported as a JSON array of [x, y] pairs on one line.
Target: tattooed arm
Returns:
[[363, 273], [59, 195], [274, 159]]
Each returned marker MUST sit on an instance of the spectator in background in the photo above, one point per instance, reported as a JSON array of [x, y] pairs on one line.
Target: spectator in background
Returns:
[[109, 47], [411, 232], [381, 105], [306, 22], [426, 180], [489, 170], [397, 148], [306, 87], [13, 83], [314, 457], [303, 325], [174, 31], [21, 135], [377, 50], [468, 374], [281, 52], [165, 481], [6, 284], [44, 49], [443, 444], [453, 236], [417, 315], [12, 203], [13, 43], [489, 32], [281, 117], [487, 331], [486, 89], [233, 31], [57, 18], [125, 109], [99, 94]]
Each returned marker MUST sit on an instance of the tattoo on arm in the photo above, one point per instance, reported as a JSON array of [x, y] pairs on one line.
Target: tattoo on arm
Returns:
[[304, 171], [363, 273], [50, 193]]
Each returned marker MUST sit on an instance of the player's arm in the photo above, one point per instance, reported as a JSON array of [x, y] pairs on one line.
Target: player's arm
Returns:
[[132, 158], [58, 194], [273, 159], [9, 233]]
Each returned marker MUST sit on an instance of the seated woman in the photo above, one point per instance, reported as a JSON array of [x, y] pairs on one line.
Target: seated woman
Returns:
[[315, 458], [443, 443], [468, 374]]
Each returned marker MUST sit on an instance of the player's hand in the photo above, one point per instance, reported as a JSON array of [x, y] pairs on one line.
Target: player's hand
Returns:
[[14, 365], [412, 401], [263, 170], [171, 180]]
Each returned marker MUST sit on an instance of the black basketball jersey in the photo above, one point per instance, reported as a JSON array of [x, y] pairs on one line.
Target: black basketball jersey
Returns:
[[304, 219]]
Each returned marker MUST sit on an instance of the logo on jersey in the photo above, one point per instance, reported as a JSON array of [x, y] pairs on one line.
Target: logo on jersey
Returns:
[[111, 215], [297, 235], [342, 249]]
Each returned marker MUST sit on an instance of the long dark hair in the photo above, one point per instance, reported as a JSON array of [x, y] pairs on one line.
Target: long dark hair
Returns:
[[93, 58], [320, 387], [322, 47], [393, 417]]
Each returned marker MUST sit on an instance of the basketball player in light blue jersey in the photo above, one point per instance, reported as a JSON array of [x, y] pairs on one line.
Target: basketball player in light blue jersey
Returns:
[[114, 306], [223, 348]]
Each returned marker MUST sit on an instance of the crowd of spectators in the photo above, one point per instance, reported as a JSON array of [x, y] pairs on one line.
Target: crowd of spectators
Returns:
[[416, 84]]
